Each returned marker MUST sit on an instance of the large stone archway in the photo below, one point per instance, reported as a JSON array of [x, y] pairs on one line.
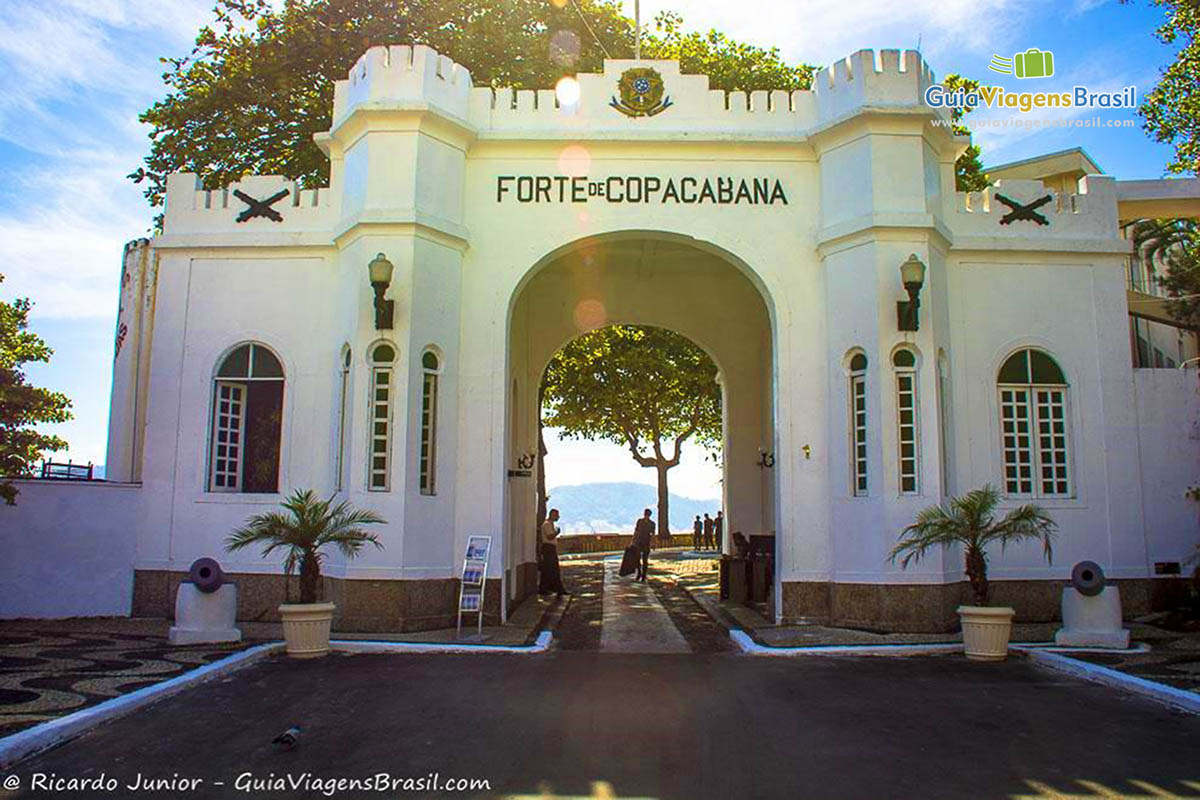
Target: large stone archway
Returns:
[[646, 278]]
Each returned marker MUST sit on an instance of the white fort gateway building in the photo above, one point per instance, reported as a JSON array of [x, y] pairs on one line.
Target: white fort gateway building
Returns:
[[254, 356]]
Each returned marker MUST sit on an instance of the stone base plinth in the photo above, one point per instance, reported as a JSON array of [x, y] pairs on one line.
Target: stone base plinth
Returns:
[[1092, 621], [930, 608], [205, 617], [1114, 640], [363, 606]]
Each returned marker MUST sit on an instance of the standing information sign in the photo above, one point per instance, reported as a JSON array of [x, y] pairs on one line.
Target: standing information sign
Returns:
[[474, 577]]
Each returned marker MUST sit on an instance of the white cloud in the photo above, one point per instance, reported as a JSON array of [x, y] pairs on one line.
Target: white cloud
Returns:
[[61, 241], [88, 51], [76, 75]]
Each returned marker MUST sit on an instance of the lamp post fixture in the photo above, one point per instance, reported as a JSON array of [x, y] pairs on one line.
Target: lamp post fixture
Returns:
[[912, 275], [380, 270]]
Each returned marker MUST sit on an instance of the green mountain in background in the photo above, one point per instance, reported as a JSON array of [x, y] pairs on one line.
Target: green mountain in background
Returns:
[[613, 507]]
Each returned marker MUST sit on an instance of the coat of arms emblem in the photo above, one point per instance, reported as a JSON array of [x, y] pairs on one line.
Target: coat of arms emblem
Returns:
[[641, 93]]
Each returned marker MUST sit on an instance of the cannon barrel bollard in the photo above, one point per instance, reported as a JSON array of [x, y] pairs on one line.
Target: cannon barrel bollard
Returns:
[[206, 575], [1088, 578]]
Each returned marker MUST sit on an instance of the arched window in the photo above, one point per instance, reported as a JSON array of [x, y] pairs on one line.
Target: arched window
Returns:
[[379, 472], [427, 468], [247, 421], [343, 420], [858, 425], [1033, 425], [907, 438]]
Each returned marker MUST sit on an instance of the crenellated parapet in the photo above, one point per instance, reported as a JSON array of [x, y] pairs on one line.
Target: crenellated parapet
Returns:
[[256, 203], [403, 76], [418, 78], [887, 79], [1026, 209], [691, 108]]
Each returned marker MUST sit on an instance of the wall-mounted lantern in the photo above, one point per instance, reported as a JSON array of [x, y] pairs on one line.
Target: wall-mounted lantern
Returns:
[[381, 276], [912, 274]]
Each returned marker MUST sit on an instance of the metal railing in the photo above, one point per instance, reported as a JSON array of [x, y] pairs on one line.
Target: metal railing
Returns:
[[69, 471]]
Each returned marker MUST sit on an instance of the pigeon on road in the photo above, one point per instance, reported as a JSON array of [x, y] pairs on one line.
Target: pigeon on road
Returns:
[[288, 739]]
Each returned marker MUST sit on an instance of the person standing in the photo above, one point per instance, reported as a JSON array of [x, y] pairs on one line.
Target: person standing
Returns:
[[708, 531], [643, 535], [551, 578], [697, 533], [718, 526]]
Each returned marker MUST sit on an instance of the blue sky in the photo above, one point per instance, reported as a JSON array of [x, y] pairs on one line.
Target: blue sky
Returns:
[[75, 73]]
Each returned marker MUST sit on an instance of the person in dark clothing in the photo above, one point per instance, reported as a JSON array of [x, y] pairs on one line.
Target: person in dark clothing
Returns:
[[551, 577], [697, 533], [718, 526], [643, 535], [708, 531]]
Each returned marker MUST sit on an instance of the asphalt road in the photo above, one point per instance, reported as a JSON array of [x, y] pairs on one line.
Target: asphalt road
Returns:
[[680, 726]]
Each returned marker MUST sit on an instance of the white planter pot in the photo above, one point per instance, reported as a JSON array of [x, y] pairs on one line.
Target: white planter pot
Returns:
[[306, 628], [985, 632]]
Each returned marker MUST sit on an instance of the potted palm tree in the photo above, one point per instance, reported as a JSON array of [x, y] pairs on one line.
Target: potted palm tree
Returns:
[[306, 525], [970, 520]]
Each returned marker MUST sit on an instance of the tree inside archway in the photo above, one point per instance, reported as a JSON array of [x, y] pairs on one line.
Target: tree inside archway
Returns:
[[647, 389]]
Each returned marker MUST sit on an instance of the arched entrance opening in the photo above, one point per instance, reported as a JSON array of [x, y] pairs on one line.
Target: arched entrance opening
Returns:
[[653, 279]]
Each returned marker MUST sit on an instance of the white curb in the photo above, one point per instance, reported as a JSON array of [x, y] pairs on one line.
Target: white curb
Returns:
[[752, 647], [1050, 647], [748, 645], [47, 734], [1179, 698], [540, 645]]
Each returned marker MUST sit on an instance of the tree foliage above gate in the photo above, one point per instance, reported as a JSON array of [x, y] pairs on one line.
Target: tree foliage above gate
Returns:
[[259, 82]]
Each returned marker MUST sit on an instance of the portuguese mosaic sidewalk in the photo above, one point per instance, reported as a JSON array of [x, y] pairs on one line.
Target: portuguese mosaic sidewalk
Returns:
[[49, 668]]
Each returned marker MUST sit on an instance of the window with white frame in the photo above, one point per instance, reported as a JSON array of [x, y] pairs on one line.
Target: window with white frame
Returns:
[[858, 425], [427, 466], [1033, 426], [342, 421], [907, 439], [247, 421], [379, 462]]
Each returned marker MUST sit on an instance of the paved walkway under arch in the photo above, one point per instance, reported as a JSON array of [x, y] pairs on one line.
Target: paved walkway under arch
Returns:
[[615, 614]]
